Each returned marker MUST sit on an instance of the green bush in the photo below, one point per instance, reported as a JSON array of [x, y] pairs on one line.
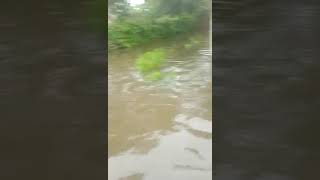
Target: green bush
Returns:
[[151, 61], [149, 64], [131, 32]]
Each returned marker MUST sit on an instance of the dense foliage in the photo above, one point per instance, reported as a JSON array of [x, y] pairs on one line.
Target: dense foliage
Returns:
[[131, 32], [155, 19], [176, 7]]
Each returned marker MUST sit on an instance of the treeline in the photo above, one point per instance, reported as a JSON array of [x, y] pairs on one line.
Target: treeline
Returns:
[[152, 20]]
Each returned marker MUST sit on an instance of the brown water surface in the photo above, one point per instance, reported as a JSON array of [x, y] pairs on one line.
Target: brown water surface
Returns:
[[161, 130]]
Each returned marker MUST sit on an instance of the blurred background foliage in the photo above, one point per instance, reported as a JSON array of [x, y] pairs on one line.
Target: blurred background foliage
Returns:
[[130, 25]]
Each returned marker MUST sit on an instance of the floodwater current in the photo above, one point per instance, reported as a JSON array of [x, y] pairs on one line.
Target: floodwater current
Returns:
[[162, 129]]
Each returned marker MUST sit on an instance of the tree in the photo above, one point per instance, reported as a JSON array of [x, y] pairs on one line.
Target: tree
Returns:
[[119, 8], [177, 7]]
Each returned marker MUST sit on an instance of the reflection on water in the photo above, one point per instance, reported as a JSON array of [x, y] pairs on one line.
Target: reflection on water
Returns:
[[178, 155], [161, 130]]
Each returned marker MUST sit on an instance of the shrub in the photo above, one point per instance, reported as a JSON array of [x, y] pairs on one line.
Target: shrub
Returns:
[[151, 61], [131, 32]]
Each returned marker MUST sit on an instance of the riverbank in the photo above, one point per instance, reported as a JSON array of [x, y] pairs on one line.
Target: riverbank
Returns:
[[156, 20]]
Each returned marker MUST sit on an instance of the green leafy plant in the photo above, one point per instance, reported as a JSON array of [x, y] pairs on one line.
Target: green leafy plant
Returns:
[[150, 63], [151, 60]]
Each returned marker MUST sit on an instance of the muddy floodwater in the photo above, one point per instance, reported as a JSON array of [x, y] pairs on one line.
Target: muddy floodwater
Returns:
[[161, 130]]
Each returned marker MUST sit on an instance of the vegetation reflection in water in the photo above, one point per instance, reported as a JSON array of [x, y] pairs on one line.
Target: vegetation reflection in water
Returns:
[[159, 108]]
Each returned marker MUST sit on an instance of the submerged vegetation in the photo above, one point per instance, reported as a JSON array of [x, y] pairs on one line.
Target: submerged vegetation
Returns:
[[149, 64], [151, 60]]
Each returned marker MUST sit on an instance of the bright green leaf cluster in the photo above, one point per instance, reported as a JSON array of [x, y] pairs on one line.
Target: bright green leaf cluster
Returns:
[[151, 60], [150, 63]]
